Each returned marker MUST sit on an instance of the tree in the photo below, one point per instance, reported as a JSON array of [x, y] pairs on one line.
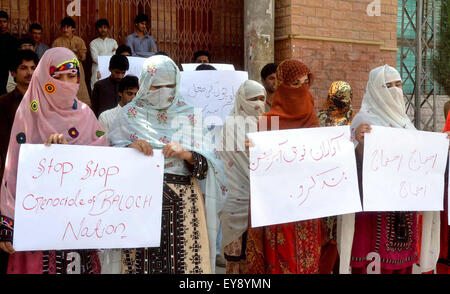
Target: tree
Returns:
[[441, 62]]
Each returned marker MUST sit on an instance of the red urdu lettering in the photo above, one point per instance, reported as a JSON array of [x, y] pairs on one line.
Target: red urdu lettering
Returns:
[[412, 163], [408, 189]]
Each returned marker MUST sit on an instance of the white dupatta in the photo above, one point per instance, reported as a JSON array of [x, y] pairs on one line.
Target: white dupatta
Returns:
[[243, 119], [380, 108]]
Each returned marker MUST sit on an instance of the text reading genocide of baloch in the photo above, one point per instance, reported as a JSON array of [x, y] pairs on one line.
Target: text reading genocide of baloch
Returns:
[[98, 205], [87, 203]]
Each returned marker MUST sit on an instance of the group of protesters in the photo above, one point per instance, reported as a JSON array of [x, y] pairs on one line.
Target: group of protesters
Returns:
[[206, 187]]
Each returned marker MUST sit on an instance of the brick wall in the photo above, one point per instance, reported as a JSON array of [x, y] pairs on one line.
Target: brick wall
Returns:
[[440, 117], [337, 39]]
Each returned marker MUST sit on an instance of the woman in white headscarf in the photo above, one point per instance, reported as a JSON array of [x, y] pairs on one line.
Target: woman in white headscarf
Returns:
[[243, 119], [383, 105], [159, 118]]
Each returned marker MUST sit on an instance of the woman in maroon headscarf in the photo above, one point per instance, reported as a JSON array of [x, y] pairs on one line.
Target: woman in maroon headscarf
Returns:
[[292, 248]]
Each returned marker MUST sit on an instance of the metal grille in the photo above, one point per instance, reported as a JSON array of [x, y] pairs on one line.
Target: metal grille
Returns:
[[18, 15], [417, 42], [180, 27]]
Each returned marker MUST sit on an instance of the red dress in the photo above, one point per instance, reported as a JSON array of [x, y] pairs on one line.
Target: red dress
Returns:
[[292, 248], [393, 235], [444, 256]]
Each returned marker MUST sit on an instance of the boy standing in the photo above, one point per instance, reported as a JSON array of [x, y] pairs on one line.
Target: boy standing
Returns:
[[36, 35], [102, 46], [105, 94], [77, 45]]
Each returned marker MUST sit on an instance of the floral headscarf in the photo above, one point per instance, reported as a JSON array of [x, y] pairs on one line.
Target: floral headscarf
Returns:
[[171, 119], [338, 110]]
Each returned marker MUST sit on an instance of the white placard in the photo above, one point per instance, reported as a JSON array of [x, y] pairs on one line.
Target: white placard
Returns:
[[403, 170], [136, 65], [302, 174], [81, 197], [218, 66], [212, 91]]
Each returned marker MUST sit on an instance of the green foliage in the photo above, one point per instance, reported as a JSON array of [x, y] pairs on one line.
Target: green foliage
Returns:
[[441, 63]]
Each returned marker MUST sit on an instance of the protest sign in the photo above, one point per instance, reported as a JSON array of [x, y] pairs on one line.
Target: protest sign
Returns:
[[302, 174], [217, 66], [403, 170], [212, 91], [82, 197], [136, 65]]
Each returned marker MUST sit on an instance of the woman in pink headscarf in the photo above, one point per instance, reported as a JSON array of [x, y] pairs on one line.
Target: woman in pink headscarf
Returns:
[[49, 113]]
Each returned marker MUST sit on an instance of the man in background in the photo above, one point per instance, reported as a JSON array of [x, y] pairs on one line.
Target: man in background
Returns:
[[77, 45], [202, 57], [8, 47], [124, 50], [269, 81], [22, 67], [141, 43], [36, 35], [105, 95], [23, 44], [102, 46], [128, 88], [205, 66]]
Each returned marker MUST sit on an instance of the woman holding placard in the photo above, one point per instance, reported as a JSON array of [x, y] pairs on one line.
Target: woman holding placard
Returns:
[[393, 236], [248, 108], [151, 121], [292, 248], [49, 113]]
